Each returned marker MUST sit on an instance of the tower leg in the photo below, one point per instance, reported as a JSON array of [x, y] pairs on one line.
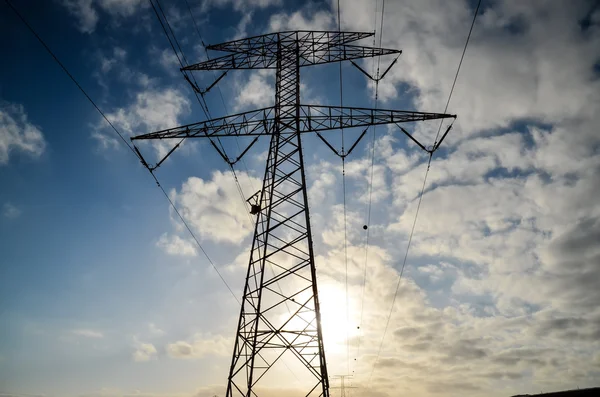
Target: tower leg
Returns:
[[280, 313]]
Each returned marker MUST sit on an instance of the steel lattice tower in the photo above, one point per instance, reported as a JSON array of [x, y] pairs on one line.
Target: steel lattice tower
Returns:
[[280, 314]]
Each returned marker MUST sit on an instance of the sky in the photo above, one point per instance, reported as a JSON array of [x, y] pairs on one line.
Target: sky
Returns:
[[104, 293]]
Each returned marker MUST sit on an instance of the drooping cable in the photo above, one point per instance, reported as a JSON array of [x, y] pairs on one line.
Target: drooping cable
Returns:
[[370, 201], [63, 67], [122, 138], [166, 32], [458, 69], [201, 100], [235, 177], [347, 297], [387, 323], [250, 182], [166, 26], [420, 199], [231, 167], [194, 237]]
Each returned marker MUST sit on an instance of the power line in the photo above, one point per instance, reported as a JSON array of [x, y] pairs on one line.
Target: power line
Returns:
[[122, 138], [368, 221], [234, 174], [401, 270], [421, 197], [63, 67], [194, 22], [250, 182], [194, 237], [459, 65], [164, 28], [345, 211], [202, 102]]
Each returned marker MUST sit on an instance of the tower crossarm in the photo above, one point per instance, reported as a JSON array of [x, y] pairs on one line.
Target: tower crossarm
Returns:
[[314, 48], [305, 37], [312, 118], [267, 59]]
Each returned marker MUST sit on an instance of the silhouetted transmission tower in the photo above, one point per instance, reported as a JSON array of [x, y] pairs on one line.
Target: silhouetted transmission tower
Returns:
[[280, 313]]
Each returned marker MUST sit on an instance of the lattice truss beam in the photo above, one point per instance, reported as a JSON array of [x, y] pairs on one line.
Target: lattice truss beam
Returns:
[[280, 316], [314, 48], [313, 118]]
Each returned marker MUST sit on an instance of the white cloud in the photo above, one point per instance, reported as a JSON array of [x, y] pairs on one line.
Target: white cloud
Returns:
[[152, 110], [213, 208], [240, 5], [154, 330], [18, 134], [88, 333], [144, 352], [106, 142], [113, 65], [10, 211], [257, 91], [107, 62], [86, 11], [175, 245], [123, 8], [200, 346], [302, 20], [168, 60], [535, 84]]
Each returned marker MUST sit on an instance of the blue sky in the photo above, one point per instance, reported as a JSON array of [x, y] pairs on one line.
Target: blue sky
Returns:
[[103, 293]]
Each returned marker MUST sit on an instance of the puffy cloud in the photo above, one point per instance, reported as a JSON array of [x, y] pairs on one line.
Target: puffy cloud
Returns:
[[168, 60], [302, 20], [175, 245], [510, 42], [200, 346], [144, 352], [257, 91], [213, 208], [85, 14], [10, 211], [152, 110], [240, 5], [122, 8], [17, 134], [86, 11], [88, 333]]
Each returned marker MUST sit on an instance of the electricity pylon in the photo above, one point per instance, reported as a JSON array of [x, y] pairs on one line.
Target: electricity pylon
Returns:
[[280, 314], [342, 385]]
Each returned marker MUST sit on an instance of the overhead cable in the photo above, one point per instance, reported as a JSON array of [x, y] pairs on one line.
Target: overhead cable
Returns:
[[435, 146], [122, 138]]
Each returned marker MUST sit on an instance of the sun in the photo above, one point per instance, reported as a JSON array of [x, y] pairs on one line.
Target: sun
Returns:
[[336, 325]]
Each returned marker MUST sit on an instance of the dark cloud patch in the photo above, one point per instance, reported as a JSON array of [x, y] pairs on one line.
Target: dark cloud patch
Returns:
[[571, 329], [581, 240], [418, 347], [573, 274], [465, 349], [396, 363], [503, 375], [407, 332], [529, 357], [445, 387]]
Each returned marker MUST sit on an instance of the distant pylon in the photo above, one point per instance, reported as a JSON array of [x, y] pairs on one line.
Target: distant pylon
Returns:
[[342, 385]]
